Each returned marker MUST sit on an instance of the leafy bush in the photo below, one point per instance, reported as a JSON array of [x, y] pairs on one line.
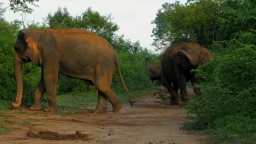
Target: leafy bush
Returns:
[[7, 40], [133, 70], [228, 104]]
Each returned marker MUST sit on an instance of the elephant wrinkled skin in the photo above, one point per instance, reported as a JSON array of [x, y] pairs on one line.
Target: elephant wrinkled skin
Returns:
[[178, 62], [73, 52]]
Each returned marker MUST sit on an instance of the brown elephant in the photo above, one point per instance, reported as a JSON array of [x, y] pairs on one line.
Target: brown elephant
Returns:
[[73, 52], [178, 62], [154, 71]]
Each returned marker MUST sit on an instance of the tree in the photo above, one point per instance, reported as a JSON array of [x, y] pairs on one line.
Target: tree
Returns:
[[22, 5], [203, 21], [88, 20], [60, 19], [163, 37], [235, 17], [192, 22], [93, 21]]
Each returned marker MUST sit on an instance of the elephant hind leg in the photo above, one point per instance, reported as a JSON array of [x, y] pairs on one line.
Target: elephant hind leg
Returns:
[[102, 103], [114, 100], [173, 92], [103, 81]]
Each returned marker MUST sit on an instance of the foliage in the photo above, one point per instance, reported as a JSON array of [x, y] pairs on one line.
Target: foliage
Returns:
[[22, 5], [203, 21], [228, 104], [133, 69], [60, 19], [7, 39], [163, 37], [227, 27], [89, 20]]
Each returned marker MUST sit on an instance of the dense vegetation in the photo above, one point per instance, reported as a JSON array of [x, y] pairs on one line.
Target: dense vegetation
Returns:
[[227, 27]]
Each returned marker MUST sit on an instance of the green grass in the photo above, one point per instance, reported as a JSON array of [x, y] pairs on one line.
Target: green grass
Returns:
[[29, 121], [4, 123], [4, 129], [75, 100]]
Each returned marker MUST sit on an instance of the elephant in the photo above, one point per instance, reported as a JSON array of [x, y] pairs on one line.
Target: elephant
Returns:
[[178, 63], [73, 52], [154, 71]]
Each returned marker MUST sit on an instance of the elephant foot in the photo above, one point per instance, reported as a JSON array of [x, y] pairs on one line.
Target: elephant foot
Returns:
[[184, 100], [175, 100], [35, 108], [101, 109], [174, 103], [51, 109], [117, 107]]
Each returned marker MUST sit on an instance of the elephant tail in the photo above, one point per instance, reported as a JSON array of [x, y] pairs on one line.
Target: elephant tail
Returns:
[[122, 79]]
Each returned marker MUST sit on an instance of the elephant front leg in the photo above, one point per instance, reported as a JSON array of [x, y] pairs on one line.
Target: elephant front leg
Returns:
[[50, 76], [172, 90], [175, 98], [38, 96], [102, 103]]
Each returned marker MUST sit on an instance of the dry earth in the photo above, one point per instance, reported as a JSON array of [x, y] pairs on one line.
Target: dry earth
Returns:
[[150, 121]]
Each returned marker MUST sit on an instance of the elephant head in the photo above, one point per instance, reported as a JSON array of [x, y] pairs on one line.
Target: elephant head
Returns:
[[26, 50], [154, 71], [192, 57]]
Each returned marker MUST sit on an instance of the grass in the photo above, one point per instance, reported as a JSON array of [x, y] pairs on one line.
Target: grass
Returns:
[[3, 122], [74, 100], [29, 121], [4, 129]]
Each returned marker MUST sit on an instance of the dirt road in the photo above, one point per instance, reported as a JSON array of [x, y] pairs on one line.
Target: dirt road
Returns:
[[149, 121]]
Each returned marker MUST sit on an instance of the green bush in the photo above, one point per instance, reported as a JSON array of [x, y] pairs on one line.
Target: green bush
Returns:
[[7, 40], [133, 68], [67, 85], [228, 104]]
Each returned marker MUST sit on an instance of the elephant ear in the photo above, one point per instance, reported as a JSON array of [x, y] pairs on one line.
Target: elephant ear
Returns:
[[33, 49], [193, 61], [21, 44]]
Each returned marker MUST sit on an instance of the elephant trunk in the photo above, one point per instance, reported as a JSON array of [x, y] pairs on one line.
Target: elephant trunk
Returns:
[[193, 61], [18, 64]]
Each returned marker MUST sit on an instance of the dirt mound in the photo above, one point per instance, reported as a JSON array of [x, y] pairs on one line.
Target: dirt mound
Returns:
[[49, 135]]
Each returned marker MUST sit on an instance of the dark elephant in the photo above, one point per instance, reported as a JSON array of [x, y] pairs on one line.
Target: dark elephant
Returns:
[[178, 62], [154, 71], [73, 52]]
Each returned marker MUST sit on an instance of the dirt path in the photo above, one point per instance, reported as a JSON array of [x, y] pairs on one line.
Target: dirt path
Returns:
[[149, 121]]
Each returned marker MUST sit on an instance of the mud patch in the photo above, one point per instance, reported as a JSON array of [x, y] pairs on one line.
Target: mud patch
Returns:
[[49, 135]]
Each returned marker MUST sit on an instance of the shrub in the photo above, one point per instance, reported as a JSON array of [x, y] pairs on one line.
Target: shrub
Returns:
[[228, 103]]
